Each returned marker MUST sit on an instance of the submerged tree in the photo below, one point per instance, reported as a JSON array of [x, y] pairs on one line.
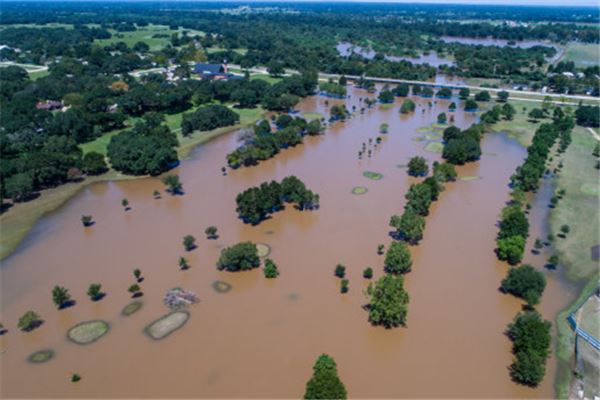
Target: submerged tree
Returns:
[[388, 301], [325, 382], [95, 291], [239, 257], [174, 185], [270, 269], [397, 259], [60, 296], [525, 282], [211, 232], [189, 242], [29, 321]]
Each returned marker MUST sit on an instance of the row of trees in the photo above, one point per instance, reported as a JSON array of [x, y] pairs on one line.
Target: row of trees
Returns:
[[529, 333], [256, 203], [411, 224], [261, 142], [461, 147]]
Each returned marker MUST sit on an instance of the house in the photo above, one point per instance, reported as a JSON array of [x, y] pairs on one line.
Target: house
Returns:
[[49, 105], [213, 71]]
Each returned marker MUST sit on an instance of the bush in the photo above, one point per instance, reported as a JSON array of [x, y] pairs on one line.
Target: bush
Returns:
[[407, 106], [340, 271], [525, 282], [270, 269], [409, 227], [511, 249], [397, 259], [368, 273], [344, 285], [531, 339], [189, 242], [417, 166], [28, 321], [239, 257], [325, 383], [60, 296], [388, 301], [94, 164]]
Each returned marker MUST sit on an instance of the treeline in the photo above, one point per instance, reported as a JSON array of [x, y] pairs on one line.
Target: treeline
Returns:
[[333, 89], [411, 224], [262, 142], [529, 333], [256, 203], [39, 143]]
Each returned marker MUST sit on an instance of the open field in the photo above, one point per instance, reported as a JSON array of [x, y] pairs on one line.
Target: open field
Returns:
[[579, 207], [519, 128], [145, 34], [215, 49], [582, 54]]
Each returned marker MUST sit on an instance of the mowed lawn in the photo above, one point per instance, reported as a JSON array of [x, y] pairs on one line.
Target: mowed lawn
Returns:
[[582, 54], [155, 36], [579, 208]]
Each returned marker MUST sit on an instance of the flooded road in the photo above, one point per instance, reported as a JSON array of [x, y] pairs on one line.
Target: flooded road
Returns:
[[262, 338]]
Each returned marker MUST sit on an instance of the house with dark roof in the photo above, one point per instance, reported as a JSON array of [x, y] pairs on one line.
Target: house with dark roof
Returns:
[[213, 71]]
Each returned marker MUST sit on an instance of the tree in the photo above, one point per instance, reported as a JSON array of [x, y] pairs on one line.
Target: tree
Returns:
[[483, 96], [407, 106], [464, 93], [565, 229], [211, 232], [397, 259], [536, 114], [135, 290], [401, 90], [588, 116], [525, 282], [94, 164], [502, 96], [444, 93], [183, 263], [513, 223], [471, 105], [270, 270], [553, 261], [511, 249], [462, 150], [125, 204], [368, 273], [29, 321], [409, 226], [444, 172], [325, 382], [531, 339], [137, 273], [189, 242], [388, 301], [441, 118], [386, 96], [174, 185], [239, 257], [508, 111], [340, 271], [417, 166], [418, 198], [19, 187], [95, 291], [344, 285], [60, 296]]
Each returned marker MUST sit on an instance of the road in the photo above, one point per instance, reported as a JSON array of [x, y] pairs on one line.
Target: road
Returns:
[[562, 97]]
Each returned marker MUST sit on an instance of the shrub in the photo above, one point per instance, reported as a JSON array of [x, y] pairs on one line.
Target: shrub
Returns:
[[340, 271], [368, 273], [325, 383], [397, 259], [270, 269], [511, 249], [60, 296], [417, 166], [189, 242], [28, 321], [525, 282], [239, 257], [344, 285]]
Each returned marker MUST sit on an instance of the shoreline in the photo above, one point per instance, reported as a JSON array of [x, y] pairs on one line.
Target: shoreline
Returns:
[[17, 222]]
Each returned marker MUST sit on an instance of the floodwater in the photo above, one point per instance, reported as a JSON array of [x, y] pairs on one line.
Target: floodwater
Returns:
[[346, 49], [262, 338]]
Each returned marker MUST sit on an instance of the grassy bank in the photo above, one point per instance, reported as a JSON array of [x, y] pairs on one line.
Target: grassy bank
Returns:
[[566, 343], [579, 209], [582, 54], [17, 221]]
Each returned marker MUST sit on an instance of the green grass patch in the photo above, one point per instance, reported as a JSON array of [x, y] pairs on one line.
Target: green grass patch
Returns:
[[263, 249], [131, 308], [87, 332], [469, 178], [376, 176], [578, 208], [582, 54], [359, 190], [41, 356], [434, 147], [221, 286], [164, 326], [309, 116], [145, 34], [267, 78], [240, 51], [35, 75], [590, 189]]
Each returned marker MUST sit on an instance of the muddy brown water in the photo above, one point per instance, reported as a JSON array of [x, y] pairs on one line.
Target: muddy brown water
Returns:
[[261, 338]]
